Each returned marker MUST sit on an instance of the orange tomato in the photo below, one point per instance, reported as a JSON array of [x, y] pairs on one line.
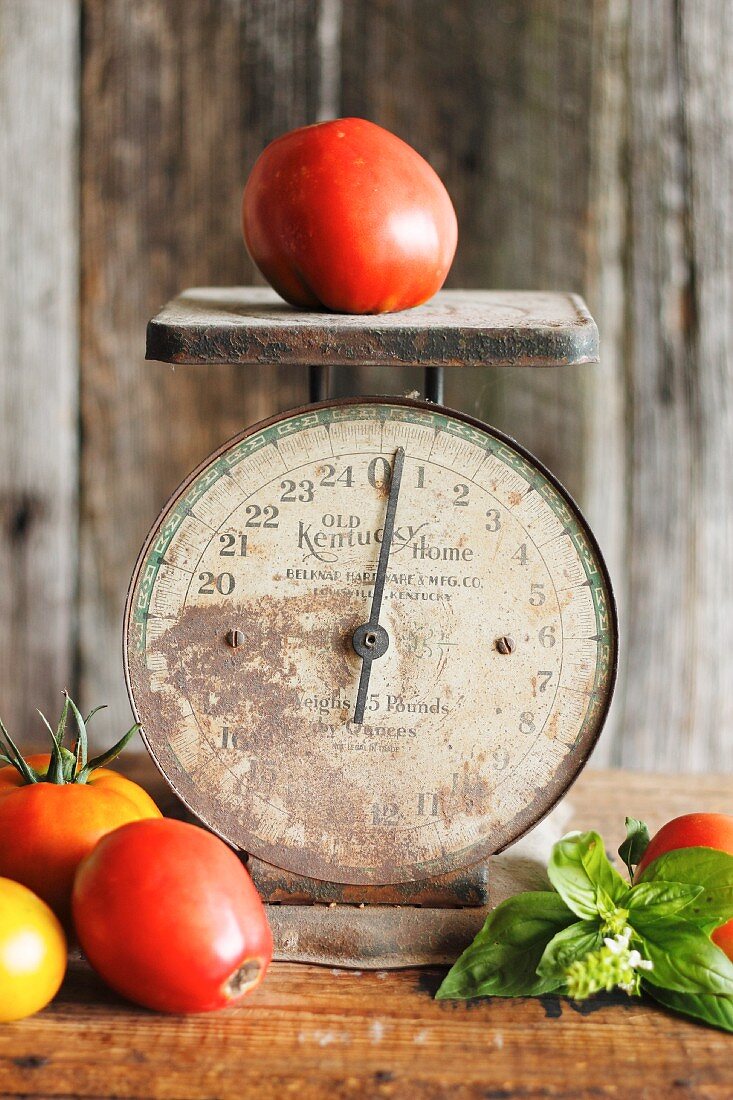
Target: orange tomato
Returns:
[[46, 829], [54, 808]]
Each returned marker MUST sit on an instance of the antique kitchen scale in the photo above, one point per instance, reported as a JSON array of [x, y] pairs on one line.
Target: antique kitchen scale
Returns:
[[371, 641]]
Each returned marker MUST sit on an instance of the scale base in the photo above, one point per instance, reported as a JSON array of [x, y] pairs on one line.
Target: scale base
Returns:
[[373, 937], [420, 923], [468, 886], [426, 923]]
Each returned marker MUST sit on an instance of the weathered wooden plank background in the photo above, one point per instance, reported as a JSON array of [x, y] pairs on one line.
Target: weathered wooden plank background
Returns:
[[39, 373], [587, 146]]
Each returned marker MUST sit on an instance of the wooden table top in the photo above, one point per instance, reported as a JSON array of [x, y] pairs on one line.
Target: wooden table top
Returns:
[[313, 1032]]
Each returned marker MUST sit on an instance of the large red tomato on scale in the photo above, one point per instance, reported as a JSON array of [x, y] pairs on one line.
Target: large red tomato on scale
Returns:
[[345, 216], [169, 917]]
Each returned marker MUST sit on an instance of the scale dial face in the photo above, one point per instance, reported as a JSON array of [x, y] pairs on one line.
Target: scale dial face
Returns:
[[242, 669]]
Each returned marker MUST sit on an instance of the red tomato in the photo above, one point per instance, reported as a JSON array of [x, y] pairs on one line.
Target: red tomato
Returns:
[[47, 828], [695, 831], [170, 918], [345, 216]]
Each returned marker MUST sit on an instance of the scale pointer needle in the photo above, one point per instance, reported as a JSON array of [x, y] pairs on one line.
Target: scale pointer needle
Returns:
[[371, 640]]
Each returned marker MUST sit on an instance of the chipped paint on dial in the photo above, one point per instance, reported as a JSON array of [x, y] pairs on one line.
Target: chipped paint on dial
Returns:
[[463, 747]]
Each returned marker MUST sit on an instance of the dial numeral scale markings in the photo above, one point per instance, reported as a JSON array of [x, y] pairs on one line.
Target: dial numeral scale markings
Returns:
[[449, 458]]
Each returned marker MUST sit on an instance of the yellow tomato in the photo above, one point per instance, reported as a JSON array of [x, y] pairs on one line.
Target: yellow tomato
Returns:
[[32, 952]]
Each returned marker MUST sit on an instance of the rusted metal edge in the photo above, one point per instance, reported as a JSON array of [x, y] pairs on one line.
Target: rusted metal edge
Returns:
[[374, 938], [467, 886], [465, 329], [547, 797]]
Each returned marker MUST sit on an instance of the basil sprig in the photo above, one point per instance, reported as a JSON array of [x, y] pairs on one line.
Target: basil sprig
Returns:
[[595, 931], [502, 961]]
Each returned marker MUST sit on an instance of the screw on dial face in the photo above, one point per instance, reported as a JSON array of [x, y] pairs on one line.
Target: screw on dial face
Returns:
[[371, 640], [476, 717]]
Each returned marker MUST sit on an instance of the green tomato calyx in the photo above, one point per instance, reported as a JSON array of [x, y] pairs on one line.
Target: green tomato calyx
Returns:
[[66, 765]]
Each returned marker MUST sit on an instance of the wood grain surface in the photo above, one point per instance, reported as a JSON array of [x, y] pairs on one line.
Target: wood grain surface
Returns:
[[318, 1032], [177, 102], [38, 358], [498, 97], [679, 376]]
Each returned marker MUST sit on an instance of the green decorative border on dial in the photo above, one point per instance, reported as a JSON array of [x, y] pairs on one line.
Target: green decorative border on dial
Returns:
[[485, 438]]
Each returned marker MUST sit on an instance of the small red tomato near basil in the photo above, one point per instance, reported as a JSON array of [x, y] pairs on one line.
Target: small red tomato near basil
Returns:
[[168, 916], [694, 831], [345, 216]]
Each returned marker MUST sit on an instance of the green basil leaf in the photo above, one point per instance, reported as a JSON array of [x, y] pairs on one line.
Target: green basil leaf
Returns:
[[574, 942], [580, 871], [717, 1011], [706, 867], [683, 956], [502, 960], [605, 903], [636, 843], [660, 899]]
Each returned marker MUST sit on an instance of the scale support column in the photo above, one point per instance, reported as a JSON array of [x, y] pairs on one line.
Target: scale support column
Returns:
[[434, 384], [319, 384]]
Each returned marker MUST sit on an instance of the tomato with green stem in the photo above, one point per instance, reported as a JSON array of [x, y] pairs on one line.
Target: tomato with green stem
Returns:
[[54, 808]]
